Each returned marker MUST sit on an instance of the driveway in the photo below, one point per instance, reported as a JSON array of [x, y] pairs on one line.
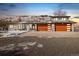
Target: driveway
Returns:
[[52, 34]]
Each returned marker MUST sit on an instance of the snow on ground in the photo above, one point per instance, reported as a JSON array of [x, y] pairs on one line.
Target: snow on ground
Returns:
[[12, 33]]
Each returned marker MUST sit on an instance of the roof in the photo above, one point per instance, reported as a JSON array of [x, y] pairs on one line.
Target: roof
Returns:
[[59, 16], [48, 22]]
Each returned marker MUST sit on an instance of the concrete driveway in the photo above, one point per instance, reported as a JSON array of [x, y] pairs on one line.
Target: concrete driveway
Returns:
[[51, 34]]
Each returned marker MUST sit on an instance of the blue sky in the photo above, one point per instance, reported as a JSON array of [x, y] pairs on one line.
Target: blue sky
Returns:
[[72, 9]]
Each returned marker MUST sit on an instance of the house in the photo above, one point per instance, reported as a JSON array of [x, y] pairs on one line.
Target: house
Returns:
[[44, 23]]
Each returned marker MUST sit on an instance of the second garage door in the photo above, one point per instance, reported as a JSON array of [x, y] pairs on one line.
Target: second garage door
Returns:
[[61, 27]]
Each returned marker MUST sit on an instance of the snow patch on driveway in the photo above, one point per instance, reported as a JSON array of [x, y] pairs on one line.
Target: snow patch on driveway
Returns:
[[23, 45]]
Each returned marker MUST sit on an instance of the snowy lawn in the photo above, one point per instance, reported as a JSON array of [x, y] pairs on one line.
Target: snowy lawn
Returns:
[[12, 33]]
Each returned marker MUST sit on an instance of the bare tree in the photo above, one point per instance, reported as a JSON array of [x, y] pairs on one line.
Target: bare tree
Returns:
[[60, 11]]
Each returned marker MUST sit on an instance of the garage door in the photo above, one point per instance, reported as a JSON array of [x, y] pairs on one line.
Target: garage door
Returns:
[[42, 27], [61, 27]]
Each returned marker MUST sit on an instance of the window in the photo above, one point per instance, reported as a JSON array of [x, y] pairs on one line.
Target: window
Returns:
[[59, 18]]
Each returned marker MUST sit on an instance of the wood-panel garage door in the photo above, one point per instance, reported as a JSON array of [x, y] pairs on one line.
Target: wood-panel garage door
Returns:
[[42, 27], [61, 27]]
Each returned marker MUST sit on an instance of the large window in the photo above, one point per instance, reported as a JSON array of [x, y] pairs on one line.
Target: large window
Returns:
[[59, 19]]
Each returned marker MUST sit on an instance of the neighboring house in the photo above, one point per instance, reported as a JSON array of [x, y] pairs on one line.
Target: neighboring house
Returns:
[[76, 25]]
